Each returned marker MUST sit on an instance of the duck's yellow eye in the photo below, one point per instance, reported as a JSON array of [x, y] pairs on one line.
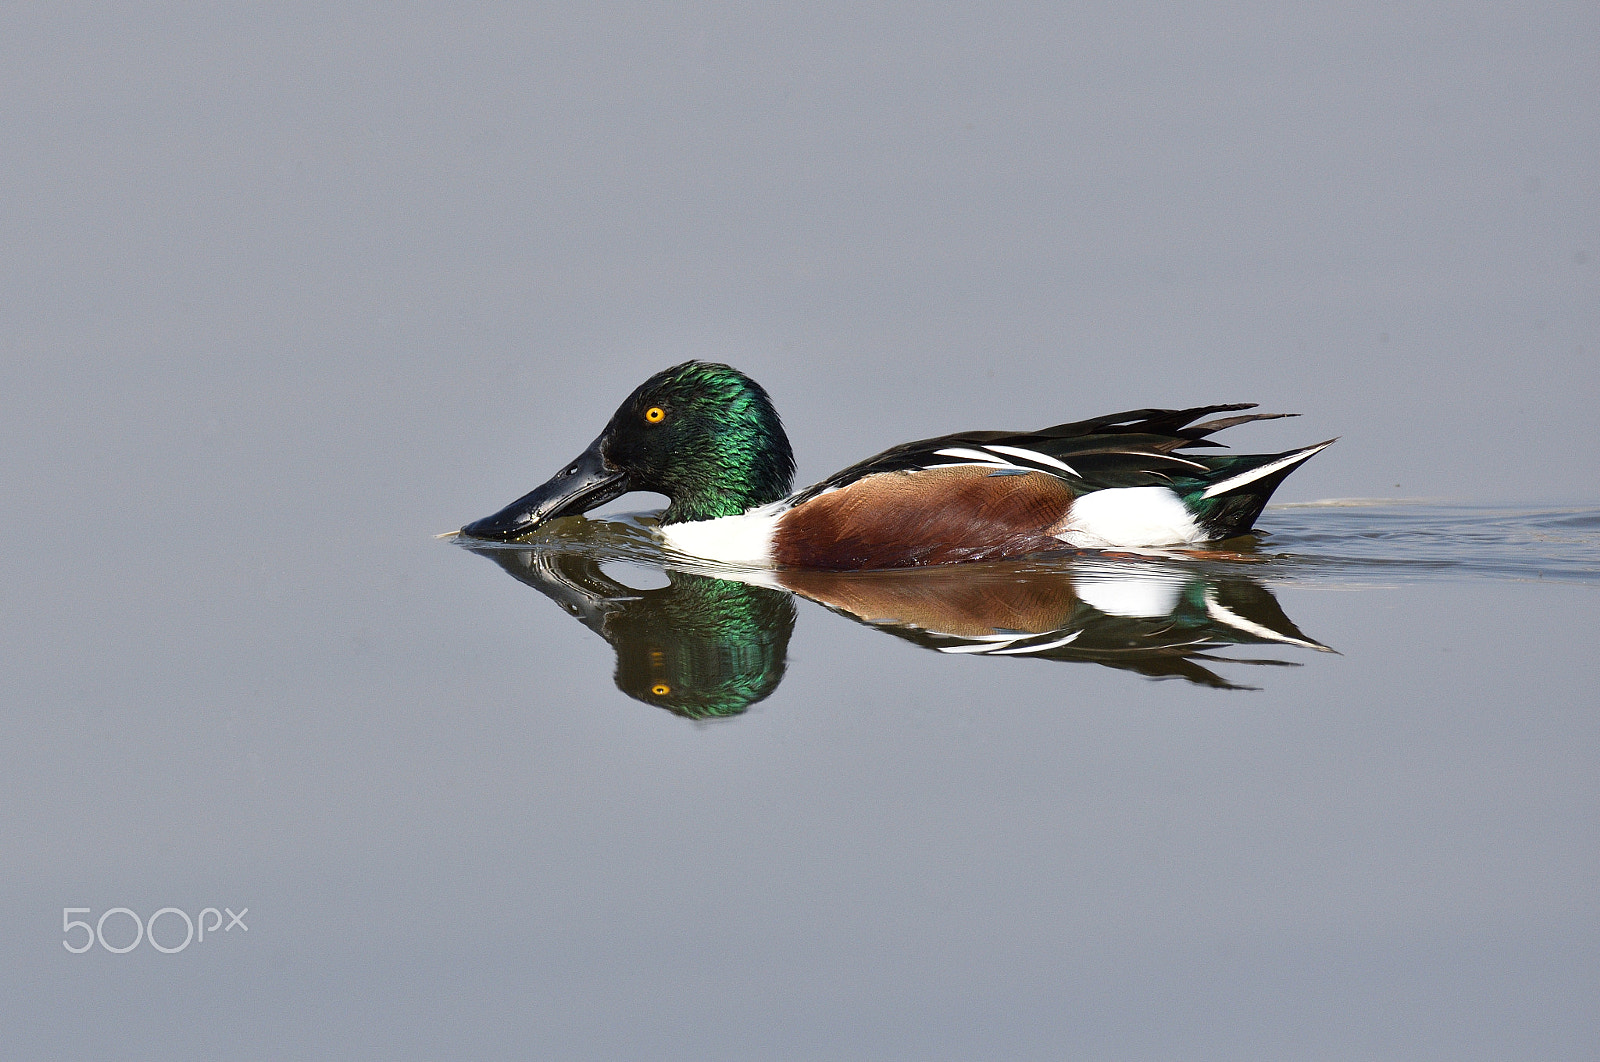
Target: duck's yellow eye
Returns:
[[655, 414], [661, 689]]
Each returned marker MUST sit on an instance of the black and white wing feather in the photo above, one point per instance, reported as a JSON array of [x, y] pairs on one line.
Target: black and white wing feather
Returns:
[[1131, 449]]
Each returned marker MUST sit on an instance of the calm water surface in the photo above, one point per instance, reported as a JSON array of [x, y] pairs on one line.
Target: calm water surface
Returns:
[[1334, 797]]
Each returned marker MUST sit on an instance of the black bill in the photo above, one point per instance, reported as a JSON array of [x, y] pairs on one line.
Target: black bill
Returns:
[[583, 484]]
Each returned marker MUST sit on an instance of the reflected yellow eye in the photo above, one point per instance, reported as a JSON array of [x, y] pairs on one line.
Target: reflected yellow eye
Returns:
[[661, 689], [655, 414]]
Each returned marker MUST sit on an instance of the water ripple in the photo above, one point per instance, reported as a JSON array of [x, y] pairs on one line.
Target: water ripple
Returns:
[[1416, 540]]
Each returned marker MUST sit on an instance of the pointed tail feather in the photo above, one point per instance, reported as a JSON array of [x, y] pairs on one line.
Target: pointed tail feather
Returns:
[[1281, 464], [1230, 506]]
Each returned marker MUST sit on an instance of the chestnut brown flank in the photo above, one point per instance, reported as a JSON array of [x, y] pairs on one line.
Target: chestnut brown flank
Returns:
[[929, 516]]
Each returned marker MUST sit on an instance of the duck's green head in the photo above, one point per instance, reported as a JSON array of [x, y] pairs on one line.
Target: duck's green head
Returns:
[[704, 435]]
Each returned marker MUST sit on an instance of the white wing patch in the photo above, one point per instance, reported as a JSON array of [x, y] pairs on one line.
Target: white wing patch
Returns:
[[974, 455], [996, 456], [965, 458], [984, 643], [1235, 482], [1046, 647], [1006, 644], [1034, 456], [1124, 517]]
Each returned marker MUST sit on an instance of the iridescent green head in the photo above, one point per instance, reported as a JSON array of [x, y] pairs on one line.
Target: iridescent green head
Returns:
[[705, 435]]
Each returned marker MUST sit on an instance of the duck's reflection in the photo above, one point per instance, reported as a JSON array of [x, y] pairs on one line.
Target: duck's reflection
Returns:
[[699, 647], [705, 646], [1160, 620]]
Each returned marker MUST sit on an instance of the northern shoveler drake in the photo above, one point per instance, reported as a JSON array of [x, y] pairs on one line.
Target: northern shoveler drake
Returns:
[[708, 437]]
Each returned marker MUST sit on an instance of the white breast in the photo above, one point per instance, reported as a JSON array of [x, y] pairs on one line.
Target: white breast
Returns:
[[743, 539]]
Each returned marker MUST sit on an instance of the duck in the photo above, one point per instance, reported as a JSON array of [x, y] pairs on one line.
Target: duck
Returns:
[[709, 438]]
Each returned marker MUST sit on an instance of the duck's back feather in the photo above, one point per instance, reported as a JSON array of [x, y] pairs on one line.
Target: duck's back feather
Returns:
[[1129, 449]]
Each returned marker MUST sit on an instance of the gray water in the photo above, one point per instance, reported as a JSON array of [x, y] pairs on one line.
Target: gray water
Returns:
[[456, 835], [289, 291]]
